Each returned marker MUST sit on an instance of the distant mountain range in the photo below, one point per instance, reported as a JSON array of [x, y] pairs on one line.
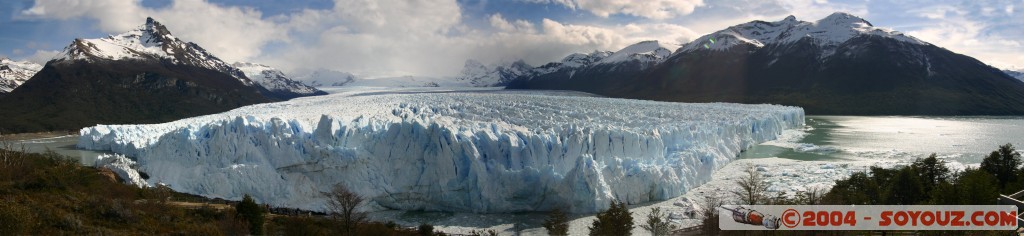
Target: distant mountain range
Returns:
[[15, 73], [146, 75], [841, 64], [275, 81]]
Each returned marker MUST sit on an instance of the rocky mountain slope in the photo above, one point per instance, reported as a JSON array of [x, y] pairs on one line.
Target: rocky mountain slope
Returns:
[[146, 75], [841, 64]]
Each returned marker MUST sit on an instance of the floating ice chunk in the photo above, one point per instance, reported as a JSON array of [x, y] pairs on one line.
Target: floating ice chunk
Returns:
[[123, 167], [811, 148]]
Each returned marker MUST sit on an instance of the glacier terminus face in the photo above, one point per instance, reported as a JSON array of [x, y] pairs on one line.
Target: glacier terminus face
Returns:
[[484, 152]]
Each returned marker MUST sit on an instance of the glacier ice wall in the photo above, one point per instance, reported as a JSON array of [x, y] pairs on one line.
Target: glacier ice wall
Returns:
[[471, 152]]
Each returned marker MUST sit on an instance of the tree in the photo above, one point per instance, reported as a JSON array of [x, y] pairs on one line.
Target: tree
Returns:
[[976, 187], [1002, 164], [752, 188], [709, 215], [615, 221], [343, 205], [859, 189], [252, 213], [557, 222], [426, 229], [905, 188], [656, 223], [931, 171]]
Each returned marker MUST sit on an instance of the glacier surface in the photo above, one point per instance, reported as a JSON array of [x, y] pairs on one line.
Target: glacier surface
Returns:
[[467, 152]]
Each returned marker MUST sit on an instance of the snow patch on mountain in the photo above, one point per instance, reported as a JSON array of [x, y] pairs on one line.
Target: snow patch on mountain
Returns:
[[827, 33], [327, 78], [14, 73], [409, 81], [646, 52], [274, 80], [478, 75], [150, 41], [468, 152]]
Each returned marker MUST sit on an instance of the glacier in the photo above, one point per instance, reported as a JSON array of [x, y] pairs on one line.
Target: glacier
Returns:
[[448, 151]]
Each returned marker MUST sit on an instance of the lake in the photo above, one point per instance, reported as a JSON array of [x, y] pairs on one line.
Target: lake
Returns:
[[962, 139]]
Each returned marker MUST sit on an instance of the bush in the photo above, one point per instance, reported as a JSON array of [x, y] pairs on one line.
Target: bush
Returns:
[[426, 230], [15, 219], [1002, 164], [615, 221], [252, 213], [557, 222], [656, 223]]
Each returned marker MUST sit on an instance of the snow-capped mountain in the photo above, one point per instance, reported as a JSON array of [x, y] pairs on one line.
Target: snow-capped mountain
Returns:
[[841, 64], [1015, 74], [327, 78], [479, 75], [827, 33], [408, 81], [150, 41], [14, 73], [646, 52], [274, 80], [145, 75]]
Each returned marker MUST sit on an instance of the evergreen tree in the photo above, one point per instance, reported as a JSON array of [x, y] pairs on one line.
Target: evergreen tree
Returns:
[[859, 189], [615, 221], [656, 223], [557, 222], [931, 171], [1002, 164], [905, 188], [252, 213], [976, 187]]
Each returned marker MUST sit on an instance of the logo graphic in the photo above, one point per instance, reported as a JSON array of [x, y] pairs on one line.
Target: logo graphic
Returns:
[[790, 218], [752, 217]]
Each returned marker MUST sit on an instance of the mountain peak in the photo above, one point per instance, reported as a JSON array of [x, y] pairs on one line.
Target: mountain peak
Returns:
[[843, 18], [644, 51], [14, 73], [827, 33], [148, 42]]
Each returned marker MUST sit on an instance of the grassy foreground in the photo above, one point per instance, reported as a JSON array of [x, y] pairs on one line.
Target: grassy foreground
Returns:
[[48, 194]]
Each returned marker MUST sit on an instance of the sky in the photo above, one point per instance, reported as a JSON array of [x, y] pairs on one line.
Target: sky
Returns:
[[380, 38]]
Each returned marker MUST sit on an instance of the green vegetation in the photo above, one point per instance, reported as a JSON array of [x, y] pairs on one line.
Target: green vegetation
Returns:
[[615, 221], [252, 213], [557, 222], [929, 181], [49, 194], [656, 223]]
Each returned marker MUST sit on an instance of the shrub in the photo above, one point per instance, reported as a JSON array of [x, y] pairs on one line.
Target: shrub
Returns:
[[557, 222], [252, 213], [656, 223], [615, 221]]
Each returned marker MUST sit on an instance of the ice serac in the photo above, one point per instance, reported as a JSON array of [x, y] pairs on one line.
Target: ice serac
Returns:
[[470, 152]]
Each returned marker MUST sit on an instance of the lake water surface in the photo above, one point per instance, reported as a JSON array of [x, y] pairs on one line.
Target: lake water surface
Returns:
[[963, 139]]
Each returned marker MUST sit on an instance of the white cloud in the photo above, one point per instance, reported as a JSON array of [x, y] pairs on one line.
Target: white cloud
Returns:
[[41, 56], [399, 37], [653, 9], [231, 33]]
